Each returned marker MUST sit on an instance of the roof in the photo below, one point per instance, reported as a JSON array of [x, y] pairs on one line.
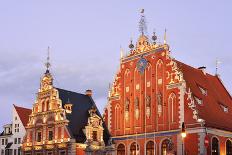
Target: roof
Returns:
[[217, 95], [79, 116], [23, 114]]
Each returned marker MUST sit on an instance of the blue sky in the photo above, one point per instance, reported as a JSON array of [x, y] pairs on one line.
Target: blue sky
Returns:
[[85, 39]]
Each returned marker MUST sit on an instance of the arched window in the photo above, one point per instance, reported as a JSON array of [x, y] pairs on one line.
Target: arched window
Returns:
[[228, 147], [215, 146], [117, 116], [43, 106], [166, 147], [137, 108], [133, 149], [47, 105], [150, 148], [121, 149], [172, 107]]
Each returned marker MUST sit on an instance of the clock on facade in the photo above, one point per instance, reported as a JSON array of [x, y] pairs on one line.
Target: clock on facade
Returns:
[[141, 65]]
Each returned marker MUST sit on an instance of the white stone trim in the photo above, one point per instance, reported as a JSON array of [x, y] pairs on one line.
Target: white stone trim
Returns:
[[182, 89]]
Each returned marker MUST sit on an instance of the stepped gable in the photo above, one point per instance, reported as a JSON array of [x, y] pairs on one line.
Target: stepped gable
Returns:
[[79, 117], [211, 109], [23, 114]]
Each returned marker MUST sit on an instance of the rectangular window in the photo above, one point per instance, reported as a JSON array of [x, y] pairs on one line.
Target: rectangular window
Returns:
[[39, 136], [15, 152], [15, 141], [19, 151], [2, 152], [19, 140], [2, 141], [50, 135], [6, 141]]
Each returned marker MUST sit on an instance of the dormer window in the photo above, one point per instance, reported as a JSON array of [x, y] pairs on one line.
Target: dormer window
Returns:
[[224, 108], [203, 90], [68, 108], [198, 100]]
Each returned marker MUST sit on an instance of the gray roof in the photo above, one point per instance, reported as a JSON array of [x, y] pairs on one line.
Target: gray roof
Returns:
[[81, 104]]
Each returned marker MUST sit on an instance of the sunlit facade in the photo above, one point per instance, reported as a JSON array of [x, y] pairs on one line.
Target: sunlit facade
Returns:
[[153, 94]]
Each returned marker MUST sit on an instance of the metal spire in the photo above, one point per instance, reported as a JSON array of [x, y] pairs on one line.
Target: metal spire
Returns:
[[47, 64], [142, 23]]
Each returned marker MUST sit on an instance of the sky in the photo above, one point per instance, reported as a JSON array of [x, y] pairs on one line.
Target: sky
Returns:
[[85, 39]]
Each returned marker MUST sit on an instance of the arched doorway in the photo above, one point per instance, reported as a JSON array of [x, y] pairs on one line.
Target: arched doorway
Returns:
[[150, 148], [133, 149], [228, 147], [215, 146], [121, 149]]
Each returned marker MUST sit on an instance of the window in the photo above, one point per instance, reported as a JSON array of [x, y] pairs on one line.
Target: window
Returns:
[[19, 151], [166, 146], [94, 135], [19, 140], [172, 107], [134, 149], [39, 137], [215, 146], [3, 141], [6, 141], [62, 152], [228, 147], [50, 135], [2, 152], [15, 141], [150, 148], [16, 118], [16, 127], [15, 152], [121, 149]]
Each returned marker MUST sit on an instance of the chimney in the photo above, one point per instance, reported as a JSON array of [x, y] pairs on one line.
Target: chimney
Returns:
[[203, 69], [88, 92]]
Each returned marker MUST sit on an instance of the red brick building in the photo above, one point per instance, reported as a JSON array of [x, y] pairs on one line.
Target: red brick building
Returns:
[[153, 94]]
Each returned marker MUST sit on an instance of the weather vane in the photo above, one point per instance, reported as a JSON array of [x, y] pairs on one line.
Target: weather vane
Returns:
[[142, 23], [47, 64]]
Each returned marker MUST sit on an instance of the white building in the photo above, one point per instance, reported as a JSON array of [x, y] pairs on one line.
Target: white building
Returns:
[[12, 135]]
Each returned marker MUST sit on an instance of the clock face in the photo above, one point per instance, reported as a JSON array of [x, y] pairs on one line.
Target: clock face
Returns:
[[141, 65]]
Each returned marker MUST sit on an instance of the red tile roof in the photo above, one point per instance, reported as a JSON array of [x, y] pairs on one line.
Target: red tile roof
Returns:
[[23, 114], [210, 110]]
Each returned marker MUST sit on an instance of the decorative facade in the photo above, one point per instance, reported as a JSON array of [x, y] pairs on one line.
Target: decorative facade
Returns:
[[153, 94], [64, 123]]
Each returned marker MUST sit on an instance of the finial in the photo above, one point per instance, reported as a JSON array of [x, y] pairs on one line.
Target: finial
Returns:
[[121, 52], [131, 46], [47, 64], [142, 23], [165, 36], [217, 64], [154, 37]]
